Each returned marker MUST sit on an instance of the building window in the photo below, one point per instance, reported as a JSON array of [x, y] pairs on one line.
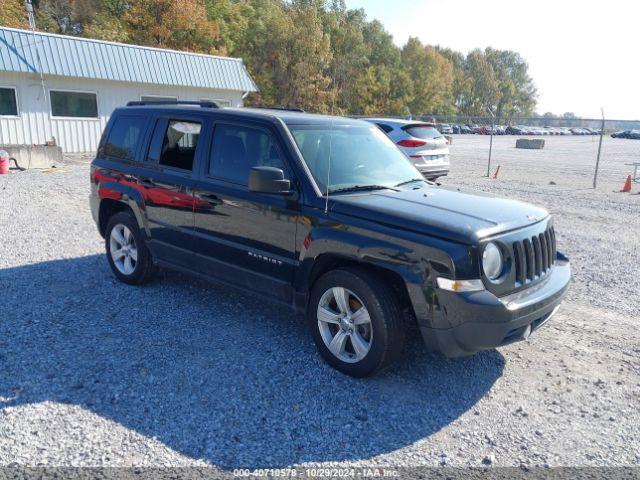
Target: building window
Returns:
[[157, 98], [124, 137], [74, 104], [8, 102]]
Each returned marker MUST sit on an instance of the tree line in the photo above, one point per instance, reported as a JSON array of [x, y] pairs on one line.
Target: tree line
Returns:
[[312, 54]]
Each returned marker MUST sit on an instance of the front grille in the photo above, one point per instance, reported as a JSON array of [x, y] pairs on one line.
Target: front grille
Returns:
[[534, 257]]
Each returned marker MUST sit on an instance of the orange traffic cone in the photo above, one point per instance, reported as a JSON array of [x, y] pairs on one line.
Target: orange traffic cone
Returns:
[[627, 185]]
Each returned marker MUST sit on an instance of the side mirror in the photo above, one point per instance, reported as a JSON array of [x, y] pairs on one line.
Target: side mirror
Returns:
[[268, 180]]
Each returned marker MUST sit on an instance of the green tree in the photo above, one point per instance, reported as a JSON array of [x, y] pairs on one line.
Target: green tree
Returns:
[[480, 93], [233, 19], [13, 14], [432, 76], [314, 54], [107, 23], [516, 91], [382, 90], [382, 50], [166, 23], [349, 55], [289, 54]]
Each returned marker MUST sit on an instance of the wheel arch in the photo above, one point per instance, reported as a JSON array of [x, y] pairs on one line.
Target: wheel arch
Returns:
[[115, 198], [327, 262], [109, 207]]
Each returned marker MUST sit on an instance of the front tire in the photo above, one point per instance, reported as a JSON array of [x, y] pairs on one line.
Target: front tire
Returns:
[[127, 252], [356, 321]]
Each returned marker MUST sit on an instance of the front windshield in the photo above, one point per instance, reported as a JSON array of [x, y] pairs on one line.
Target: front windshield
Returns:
[[346, 156]]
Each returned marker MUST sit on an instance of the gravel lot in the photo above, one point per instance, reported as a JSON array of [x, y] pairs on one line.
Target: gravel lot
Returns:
[[183, 372]]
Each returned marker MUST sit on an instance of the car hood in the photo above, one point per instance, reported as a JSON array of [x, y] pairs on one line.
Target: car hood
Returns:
[[465, 216]]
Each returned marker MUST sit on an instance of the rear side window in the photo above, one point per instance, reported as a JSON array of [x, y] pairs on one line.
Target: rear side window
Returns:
[[422, 131], [179, 144], [237, 149], [385, 128], [124, 137]]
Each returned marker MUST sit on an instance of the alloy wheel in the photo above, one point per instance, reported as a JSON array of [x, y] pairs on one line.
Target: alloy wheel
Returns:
[[124, 252], [344, 324]]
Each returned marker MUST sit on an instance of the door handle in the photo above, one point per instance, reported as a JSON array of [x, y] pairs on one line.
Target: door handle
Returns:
[[211, 198], [146, 182]]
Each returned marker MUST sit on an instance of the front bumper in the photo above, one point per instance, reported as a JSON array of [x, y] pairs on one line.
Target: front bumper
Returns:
[[473, 321]]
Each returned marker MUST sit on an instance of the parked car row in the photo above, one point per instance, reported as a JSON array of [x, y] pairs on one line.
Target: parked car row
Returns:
[[447, 129], [632, 134]]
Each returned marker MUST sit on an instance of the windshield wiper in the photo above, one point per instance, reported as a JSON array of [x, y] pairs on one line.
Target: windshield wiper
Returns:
[[356, 188], [411, 181]]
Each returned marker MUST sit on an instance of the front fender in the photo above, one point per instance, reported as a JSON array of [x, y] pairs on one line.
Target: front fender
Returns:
[[359, 247], [417, 260]]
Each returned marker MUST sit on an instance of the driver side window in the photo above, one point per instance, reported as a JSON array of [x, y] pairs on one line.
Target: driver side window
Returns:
[[236, 149]]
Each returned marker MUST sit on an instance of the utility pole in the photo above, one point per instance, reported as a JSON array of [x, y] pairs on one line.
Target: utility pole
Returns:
[[32, 25], [493, 127], [595, 175], [32, 18]]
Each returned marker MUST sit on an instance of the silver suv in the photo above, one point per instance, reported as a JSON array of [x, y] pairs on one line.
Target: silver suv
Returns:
[[427, 148]]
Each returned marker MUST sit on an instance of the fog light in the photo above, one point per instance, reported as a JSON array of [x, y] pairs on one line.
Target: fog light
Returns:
[[460, 285]]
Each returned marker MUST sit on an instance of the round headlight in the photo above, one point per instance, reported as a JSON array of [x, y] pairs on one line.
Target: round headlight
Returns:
[[492, 262]]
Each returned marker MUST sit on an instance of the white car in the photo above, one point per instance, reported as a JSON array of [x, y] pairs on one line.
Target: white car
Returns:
[[427, 148]]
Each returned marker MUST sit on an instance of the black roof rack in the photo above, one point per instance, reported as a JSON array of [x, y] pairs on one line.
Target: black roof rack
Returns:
[[286, 109], [203, 104]]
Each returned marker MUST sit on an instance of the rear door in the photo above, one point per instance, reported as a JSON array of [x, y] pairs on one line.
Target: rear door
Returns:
[[242, 237], [168, 183]]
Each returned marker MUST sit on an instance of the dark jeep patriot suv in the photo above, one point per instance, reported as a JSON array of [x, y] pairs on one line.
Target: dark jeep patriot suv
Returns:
[[328, 216]]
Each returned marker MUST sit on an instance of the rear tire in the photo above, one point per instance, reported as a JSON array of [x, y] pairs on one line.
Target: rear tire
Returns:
[[127, 252], [356, 321]]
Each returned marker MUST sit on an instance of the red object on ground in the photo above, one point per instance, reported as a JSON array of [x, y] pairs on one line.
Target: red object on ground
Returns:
[[4, 162], [625, 189], [495, 175]]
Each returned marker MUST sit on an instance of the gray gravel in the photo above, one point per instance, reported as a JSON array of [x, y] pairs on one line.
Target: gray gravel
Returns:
[[183, 372]]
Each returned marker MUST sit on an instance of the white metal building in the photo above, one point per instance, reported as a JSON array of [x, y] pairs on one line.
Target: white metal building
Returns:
[[62, 87]]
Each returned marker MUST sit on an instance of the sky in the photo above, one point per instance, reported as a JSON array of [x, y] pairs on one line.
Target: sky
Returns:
[[582, 55]]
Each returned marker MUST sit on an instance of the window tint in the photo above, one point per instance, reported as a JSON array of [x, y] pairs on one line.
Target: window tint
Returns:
[[151, 98], [237, 149], [74, 104], [8, 102], [425, 132], [179, 144], [384, 128], [124, 137]]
